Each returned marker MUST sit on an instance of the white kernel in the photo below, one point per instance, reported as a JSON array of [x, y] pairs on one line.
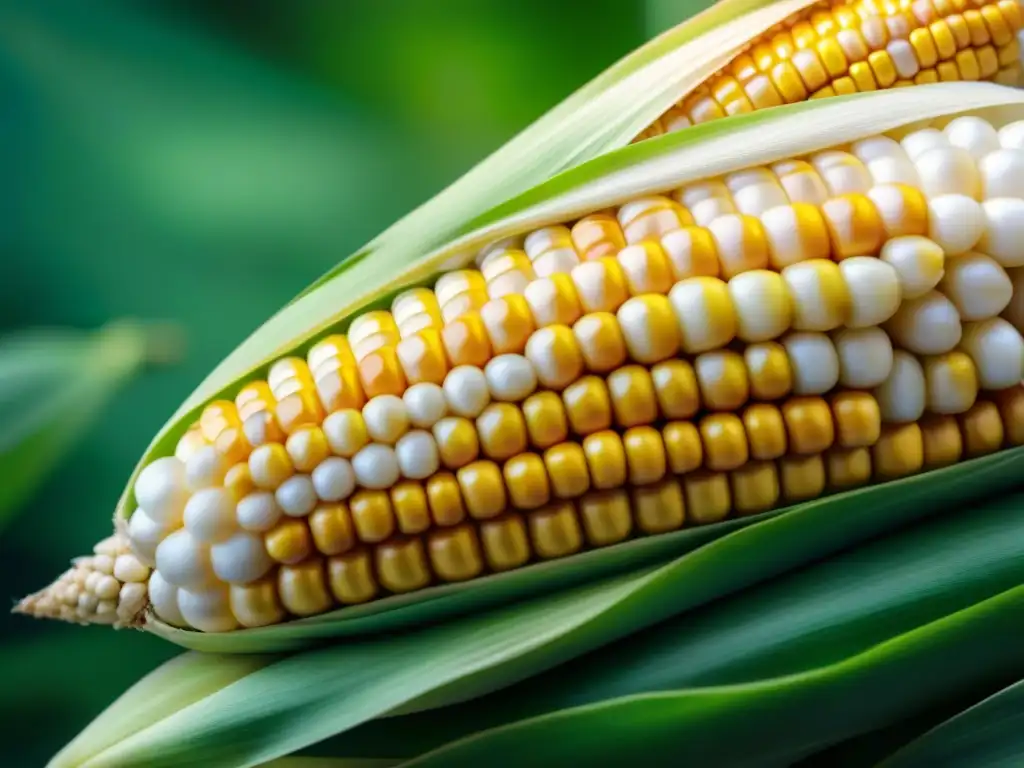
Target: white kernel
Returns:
[[163, 597], [205, 469], [210, 515], [130, 568], [510, 377], [1002, 174], [813, 360], [296, 496], [977, 286], [997, 349], [955, 222], [258, 511], [904, 58], [865, 356], [91, 580], [948, 171], [842, 172], [901, 397], [1011, 135], [801, 182], [107, 588], [87, 604], [426, 404], [184, 560], [417, 455], [917, 143], [762, 303], [755, 190], [874, 288], [161, 490], [103, 564], [557, 261], [1004, 230], [950, 386], [927, 325], [975, 135], [131, 600], [376, 467], [241, 559], [706, 201], [919, 263], [386, 418], [466, 391], [208, 610], [334, 479], [144, 534]]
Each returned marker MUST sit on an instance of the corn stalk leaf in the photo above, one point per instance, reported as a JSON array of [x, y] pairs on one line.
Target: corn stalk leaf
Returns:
[[778, 720], [53, 384], [991, 733], [807, 619]]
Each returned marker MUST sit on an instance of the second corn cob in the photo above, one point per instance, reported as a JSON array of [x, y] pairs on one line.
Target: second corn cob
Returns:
[[737, 344]]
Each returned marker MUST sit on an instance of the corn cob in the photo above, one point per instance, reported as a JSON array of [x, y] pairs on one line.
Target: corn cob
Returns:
[[837, 48], [736, 345]]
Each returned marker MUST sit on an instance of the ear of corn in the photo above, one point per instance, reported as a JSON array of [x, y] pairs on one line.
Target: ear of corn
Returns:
[[707, 325], [839, 325]]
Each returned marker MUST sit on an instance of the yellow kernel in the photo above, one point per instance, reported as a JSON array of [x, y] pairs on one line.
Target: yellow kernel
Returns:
[[555, 531], [768, 370], [606, 459], [683, 447], [421, 357], [380, 373], [631, 390], [411, 508], [606, 517], [307, 447], [566, 466], [898, 452], [483, 489], [372, 515], [508, 323], [597, 236], [600, 341], [676, 389], [457, 441], [340, 389], [1011, 410], [848, 468], [502, 431], [527, 481], [238, 481], [691, 252], [298, 410], [708, 499], [766, 431], [858, 419], [982, 429], [553, 300], [645, 455], [445, 499], [351, 577], [555, 356], [466, 342], [659, 508], [755, 487], [646, 267], [331, 526], [545, 419], [289, 542], [401, 565], [505, 542], [722, 378], [256, 604], [303, 588], [269, 466], [801, 477], [455, 553], [724, 440], [649, 327], [600, 285], [588, 405], [942, 443]]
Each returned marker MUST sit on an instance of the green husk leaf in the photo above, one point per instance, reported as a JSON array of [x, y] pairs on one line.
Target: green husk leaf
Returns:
[[53, 384], [329, 762], [411, 253], [299, 700], [810, 618], [775, 721], [991, 733], [794, 535]]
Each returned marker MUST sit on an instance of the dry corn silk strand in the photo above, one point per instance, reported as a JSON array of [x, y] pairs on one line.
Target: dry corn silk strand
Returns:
[[718, 348]]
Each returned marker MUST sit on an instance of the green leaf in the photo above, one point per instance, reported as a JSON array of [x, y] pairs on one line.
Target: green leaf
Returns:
[[53, 384], [321, 692], [991, 733], [773, 721], [810, 618]]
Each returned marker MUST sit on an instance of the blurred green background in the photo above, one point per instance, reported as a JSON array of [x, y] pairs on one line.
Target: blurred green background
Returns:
[[201, 162]]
